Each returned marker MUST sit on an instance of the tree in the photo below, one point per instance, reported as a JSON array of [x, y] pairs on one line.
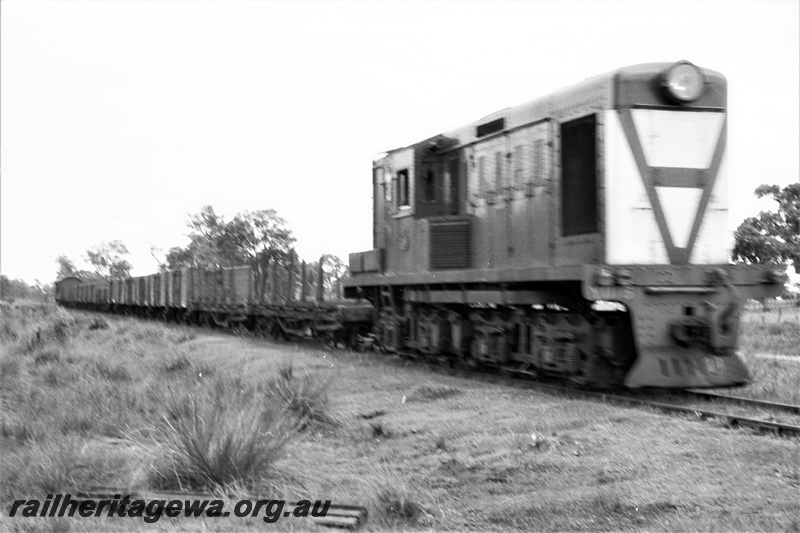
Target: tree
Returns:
[[15, 289], [107, 258], [257, 239], [772, 237], [204, 241], [66, 268], [252, 238], [333, 272], [157, 253]]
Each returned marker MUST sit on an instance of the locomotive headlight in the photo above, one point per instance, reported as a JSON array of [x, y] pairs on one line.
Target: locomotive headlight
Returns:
[[683, 82]]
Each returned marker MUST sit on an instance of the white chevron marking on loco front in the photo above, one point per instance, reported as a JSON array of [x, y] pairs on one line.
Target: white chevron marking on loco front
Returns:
[[680, 208], [632, 234], [678, 139], [715, 240]]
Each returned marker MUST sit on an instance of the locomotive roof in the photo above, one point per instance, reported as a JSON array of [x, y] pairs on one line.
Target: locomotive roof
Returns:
[[630, 80]]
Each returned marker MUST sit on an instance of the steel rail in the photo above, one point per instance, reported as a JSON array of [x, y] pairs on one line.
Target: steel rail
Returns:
[[715, 396], [732, 420]]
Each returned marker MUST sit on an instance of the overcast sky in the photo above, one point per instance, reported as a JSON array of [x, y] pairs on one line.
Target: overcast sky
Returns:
[[120, 118]]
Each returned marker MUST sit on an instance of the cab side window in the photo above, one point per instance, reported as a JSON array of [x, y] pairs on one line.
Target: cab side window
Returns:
[[402, 188]]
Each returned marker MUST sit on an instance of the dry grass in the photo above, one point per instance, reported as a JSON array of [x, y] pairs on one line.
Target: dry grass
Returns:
[[775, 330], [134, 405], [92, 401]]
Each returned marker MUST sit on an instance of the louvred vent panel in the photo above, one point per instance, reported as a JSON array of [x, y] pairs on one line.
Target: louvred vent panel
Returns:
[[450, 244]]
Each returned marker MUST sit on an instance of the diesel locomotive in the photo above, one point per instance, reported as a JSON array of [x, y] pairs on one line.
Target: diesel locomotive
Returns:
[[582, 235]]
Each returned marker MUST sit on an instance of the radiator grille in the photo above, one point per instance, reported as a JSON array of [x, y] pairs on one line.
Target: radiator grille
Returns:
[[450, 245]]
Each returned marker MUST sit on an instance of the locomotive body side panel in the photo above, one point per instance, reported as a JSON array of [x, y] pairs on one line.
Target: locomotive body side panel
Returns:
[[529, 229], [578, 210]]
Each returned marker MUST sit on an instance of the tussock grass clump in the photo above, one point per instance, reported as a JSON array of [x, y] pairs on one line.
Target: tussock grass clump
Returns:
[[66, 464], [220, 435], [63, 327], [395, 506], [47, 467], [372, 414], [182, 337], [98, 323], [379, 430], [48, 355], [434, 392], [178, 363], [305, 397], [25, 335], [112, 371], [10, 368], [148, 334], [8, 328]]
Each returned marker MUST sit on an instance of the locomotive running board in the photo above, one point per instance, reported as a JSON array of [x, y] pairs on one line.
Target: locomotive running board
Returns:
[[486, 297]]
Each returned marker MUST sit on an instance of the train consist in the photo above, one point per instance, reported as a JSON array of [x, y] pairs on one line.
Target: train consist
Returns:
[[280, 303], [582, 235]]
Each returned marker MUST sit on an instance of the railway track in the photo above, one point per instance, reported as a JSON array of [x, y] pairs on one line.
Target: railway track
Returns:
[[761, 415], [715, 396]]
